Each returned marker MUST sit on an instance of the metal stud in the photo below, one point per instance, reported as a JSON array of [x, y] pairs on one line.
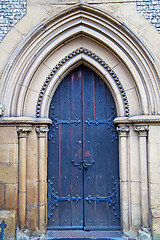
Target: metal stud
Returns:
[[76, 177]]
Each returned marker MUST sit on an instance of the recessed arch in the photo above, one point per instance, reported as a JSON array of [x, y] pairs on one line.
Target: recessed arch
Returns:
[[88, 58]]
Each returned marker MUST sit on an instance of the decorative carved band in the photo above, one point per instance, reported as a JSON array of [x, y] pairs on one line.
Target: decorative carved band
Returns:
[[68, 57], [42, 131], [142, 130], [123, 131], [23, 131]]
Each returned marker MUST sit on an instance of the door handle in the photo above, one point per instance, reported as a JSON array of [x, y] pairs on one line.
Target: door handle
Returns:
[[77, 164], [86, 165]]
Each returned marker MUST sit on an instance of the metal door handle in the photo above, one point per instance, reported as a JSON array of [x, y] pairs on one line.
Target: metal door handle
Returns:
[[77, 164], [86, 165]]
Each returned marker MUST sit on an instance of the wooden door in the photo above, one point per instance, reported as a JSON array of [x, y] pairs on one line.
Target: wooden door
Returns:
[[83, 171]]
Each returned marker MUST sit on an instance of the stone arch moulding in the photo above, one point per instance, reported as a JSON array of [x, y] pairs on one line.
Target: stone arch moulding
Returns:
[[98, 26], [112, 79]]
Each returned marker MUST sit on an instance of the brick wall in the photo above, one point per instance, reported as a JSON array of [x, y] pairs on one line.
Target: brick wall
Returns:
[[11, 11], [150, 9]]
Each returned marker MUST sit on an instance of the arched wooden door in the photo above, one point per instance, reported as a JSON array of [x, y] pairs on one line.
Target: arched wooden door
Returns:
[[83, 172]]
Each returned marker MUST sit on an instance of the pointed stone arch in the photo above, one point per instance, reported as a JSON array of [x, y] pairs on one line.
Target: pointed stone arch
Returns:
[[81, 20]]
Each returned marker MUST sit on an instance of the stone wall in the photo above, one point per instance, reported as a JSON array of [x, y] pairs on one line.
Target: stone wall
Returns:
[[11, 11], [150, 9], [8, 178]]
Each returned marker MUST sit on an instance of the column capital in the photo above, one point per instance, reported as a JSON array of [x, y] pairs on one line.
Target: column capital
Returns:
[[123, 131], [142, 130], [41, 131], [23, 131]]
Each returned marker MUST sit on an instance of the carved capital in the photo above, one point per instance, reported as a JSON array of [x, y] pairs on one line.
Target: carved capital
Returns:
[[142, 130], [41, 131], [2, 108], [23, 131], [123, 131]]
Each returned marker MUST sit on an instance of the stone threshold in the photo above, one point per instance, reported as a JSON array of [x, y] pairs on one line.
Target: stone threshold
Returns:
[[84, 235]]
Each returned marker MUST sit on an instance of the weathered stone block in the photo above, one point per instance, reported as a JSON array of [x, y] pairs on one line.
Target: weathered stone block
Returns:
[[8, 135], [9, 216], [11, 196], [154, 152], [4, 153], [2, 189], [32, 157], [32, 219], [154, 134], [13, 153], [155, 195], [8, 173], [32, 193], [154, 172]]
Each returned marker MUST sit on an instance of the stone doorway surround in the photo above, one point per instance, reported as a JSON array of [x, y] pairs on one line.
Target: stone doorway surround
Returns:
[[80, 35]]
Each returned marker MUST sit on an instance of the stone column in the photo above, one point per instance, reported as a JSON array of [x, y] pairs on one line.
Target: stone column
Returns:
[[143, 133], [42, 172], [123, 168], [22, 134]]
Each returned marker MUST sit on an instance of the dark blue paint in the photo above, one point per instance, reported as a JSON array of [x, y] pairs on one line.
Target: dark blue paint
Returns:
[[83, 155]]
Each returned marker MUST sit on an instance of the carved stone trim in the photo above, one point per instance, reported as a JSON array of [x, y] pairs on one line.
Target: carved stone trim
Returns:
[[23, 131], [2, 108], [70, 56], [142, 130], [41, 131], [123, 131]]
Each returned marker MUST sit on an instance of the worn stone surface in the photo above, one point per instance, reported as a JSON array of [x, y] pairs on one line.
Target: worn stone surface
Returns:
[[2, 190], [32, 219], [8, 135], [8, 173], [11, 196]]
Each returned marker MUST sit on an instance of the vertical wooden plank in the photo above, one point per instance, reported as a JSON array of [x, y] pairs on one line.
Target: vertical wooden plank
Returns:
[[76, 148], [101, 151], [89, 175], [64, 155], [53, 165]]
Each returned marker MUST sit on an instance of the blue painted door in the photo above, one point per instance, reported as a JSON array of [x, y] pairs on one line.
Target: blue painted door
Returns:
[[83, 166]]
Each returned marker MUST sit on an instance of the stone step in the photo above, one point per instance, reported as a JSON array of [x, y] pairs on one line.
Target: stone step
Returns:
[[84, 235]]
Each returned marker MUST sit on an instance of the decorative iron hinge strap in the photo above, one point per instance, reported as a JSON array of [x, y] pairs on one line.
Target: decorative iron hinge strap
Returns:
[[98, 199], [54, 199], [112, 199], [97, 122], [56, 121]]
